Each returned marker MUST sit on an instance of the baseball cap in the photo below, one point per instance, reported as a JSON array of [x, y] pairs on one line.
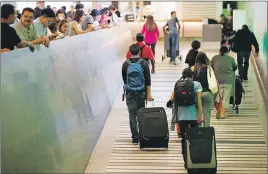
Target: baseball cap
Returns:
[[95, 12]]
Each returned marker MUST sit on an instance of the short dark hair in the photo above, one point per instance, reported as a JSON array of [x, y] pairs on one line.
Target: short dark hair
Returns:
[[48, 12], [7, 10], [79, 6], [245, 27], [139, 37], [223, 50], [118, 13], [111, 7], [187, 73], [134, 49], [196, 44], [28, 9], [63, 8], [172, 12], [104, 11], [54, 26]]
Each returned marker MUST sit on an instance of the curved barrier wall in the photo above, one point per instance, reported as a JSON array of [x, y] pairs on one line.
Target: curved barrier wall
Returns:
[[55, 101]]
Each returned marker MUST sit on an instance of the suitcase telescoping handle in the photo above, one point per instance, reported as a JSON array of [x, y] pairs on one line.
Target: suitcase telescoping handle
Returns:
[[201, 124], [152, 102], [234, 98]]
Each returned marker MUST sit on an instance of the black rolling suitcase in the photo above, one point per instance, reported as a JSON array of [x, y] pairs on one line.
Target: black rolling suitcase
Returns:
[[238, 92], [153, 128], [201, 156]]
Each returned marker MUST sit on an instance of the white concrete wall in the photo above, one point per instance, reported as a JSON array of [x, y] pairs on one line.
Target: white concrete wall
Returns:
[[163, 9], [123, 6]]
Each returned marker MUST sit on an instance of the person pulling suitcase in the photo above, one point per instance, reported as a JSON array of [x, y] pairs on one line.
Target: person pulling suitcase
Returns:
[[186, 98], [137, 87]]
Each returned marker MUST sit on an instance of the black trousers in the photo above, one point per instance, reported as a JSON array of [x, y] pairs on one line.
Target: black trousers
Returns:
[[184, 124], [135, 101], [243, 63], [152, 47]]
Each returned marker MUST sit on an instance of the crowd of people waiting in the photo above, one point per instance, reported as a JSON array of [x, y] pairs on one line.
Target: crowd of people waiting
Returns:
[[42, 25]]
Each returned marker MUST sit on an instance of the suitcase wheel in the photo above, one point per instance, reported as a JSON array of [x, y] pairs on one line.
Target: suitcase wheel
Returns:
[[202, 171]]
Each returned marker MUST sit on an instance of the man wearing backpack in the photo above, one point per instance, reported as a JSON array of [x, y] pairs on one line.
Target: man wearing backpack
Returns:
[[145, 51], [137, 85]]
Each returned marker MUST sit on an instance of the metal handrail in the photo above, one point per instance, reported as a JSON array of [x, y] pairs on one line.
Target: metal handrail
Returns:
[[259, 71]]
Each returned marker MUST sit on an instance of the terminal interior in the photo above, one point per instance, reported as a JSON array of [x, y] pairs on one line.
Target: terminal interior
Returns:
[[62, 108]]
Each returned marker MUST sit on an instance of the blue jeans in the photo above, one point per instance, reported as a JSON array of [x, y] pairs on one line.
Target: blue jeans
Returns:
[[243, 63], [173, 39]]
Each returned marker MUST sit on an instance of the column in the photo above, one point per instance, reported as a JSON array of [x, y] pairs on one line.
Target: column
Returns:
[[94, 4], [219, 8], [141, 10], [134, 10], [115, 3]]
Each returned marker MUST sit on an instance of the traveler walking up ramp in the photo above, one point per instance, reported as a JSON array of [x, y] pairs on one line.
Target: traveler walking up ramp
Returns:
[[241, 147]]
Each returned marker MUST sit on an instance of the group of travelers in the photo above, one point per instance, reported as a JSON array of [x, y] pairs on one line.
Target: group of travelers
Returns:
[[204, 83], [42, 25]]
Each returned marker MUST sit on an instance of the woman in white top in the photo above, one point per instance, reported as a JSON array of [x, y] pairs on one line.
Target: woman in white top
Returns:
[[75, 25]]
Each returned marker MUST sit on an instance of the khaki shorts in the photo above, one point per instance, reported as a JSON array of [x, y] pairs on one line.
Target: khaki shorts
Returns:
[[226, 93]]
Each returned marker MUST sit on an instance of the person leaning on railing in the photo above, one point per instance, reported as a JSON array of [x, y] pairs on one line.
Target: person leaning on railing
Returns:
[[59, 25], [26, 29], [75, 25], [9, 36]]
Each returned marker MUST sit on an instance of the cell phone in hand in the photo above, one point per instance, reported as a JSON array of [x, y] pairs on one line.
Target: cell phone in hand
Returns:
[[32, 49]]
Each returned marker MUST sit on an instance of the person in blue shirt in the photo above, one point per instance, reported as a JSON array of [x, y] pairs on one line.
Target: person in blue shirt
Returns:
[[187, 116], [173, 32]]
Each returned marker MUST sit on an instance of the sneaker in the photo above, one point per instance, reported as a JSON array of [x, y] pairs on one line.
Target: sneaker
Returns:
[[135, 140], [175, 63]]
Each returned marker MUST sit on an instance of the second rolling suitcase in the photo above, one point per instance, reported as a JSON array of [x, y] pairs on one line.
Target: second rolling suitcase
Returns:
[[201, 156], [153, 128]]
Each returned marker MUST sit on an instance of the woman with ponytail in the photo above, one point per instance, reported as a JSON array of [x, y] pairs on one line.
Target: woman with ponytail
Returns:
[[201, 70], [151, 32], [224, 67]]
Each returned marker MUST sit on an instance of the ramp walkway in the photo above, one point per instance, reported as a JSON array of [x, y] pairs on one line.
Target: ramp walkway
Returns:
[[241, 146]]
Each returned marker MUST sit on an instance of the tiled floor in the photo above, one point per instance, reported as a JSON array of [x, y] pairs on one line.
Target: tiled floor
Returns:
[[241, 148]]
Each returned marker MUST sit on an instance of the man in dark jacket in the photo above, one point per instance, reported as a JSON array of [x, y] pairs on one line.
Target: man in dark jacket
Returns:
[[243, 40], [40, 5], [137, 84]]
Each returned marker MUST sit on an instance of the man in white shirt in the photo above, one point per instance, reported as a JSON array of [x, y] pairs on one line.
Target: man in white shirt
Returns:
[[42, 23], [27, 30], [115, 19]]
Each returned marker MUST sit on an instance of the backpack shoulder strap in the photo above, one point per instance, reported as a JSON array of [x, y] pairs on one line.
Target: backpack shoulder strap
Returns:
[[140, 61], [129, 62], [209, 70], [141, 49]]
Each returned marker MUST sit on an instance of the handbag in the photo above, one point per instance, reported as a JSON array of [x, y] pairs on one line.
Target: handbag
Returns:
[[212, 81]]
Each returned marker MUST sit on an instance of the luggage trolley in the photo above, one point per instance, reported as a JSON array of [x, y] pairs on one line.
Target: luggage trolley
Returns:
[[237, 93], [167, 48]]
